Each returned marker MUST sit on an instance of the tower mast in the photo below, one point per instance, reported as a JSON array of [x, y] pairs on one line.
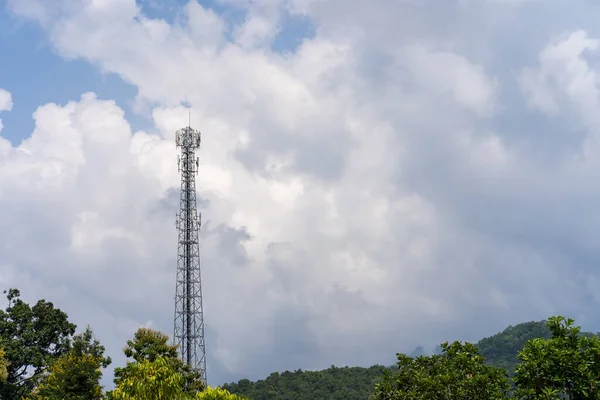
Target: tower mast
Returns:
[[189, 315]]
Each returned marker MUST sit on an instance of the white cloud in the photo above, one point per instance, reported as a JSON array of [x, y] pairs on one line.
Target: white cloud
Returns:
[[566, 84], [6, 103], [360, 197], [467, 83], [564, 69]]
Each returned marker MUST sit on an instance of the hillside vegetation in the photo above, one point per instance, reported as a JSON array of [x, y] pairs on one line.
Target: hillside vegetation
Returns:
[[332, 384], [501, 349], [356, 383]]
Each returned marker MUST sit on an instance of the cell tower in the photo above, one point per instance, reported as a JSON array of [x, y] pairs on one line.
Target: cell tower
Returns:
[[189, 315]]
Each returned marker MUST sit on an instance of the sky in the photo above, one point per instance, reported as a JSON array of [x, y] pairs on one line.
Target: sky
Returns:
[[374, 175]]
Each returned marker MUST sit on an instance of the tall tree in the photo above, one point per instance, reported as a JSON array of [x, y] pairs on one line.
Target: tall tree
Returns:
[[459, 373], [148, 346], [565, 366], [32, 337], [76, 374], [217, 394], [150, 380]]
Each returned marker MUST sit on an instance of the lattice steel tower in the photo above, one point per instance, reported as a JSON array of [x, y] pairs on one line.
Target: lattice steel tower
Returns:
[[189, 315]]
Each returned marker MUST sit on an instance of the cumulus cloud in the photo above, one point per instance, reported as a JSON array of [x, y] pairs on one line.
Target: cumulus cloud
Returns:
[[362, 194], [563, 66], [6, 103]]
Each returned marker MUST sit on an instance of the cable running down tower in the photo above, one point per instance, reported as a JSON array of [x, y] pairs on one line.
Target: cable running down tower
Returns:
[[189, 315]]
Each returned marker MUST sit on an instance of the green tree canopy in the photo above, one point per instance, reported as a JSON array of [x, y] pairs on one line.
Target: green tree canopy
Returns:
[[149, 347], [3, 366], [76, 374], [150, 380], [217, 394], [565, 366], [333, 383], [148, 344], [32, 338], [459, 373]]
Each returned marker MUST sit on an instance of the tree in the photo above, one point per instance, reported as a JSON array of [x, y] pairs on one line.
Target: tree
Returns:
[[146, 349], [76, 374], [32, 337], [149, 380], [565, 366], [217, 394], [148, 345], [3, 366], [459, 373]]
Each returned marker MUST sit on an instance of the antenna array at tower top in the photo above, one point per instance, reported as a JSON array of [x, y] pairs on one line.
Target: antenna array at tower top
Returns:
[[187, 138]]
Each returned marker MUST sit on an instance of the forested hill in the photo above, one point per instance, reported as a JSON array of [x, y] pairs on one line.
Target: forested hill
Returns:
[[357, 383], [334, 383], [501, 349]]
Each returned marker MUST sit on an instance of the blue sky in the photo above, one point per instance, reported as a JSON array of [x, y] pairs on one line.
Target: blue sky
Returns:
[[36, 75]]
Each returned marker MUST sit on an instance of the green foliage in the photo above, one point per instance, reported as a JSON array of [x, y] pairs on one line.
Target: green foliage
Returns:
[[148, 344], [334, 383], [566, 366], [76, 374], [501, 349], [459, 373], [39, 360], [149, 380], [33, 337], [557, 362], [145, 349], [217, 394], [3, 366]]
